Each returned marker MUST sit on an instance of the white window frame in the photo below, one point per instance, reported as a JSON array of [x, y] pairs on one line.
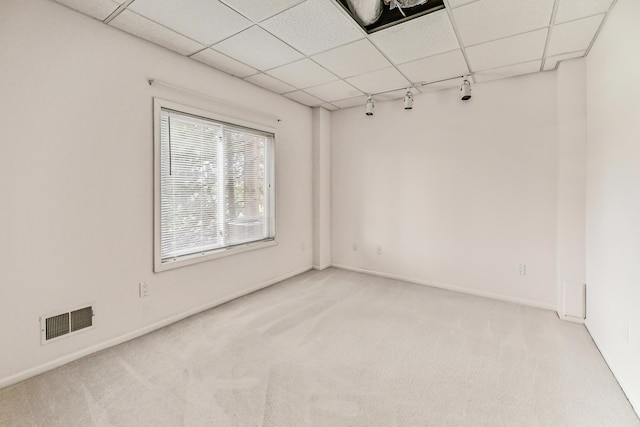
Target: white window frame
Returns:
[[163, 265]]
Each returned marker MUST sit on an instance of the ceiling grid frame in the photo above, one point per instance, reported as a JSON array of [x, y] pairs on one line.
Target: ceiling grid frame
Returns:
[[118, 10], [463, 48], [169, 37], [604, 20]]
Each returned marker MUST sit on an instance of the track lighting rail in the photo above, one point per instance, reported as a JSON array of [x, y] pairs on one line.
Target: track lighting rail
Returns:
[[419, 85], [465, 90]]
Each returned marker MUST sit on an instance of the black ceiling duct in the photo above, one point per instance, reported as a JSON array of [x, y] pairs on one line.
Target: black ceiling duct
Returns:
[[376, 15]]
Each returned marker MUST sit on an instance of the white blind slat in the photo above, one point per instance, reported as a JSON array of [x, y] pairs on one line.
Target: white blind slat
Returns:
[[215, 189]]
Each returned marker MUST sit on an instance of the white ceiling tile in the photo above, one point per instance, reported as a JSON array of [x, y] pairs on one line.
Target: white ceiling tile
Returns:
[[224, 63], [334, 91], [573, 36], [329, 107], [551, 62], [351, 102], [379, 81], [436, 68], [302, 74], [206, 21], [487, 20], [458, 3], [260, 10], [569, 10], [304, 98], [139, 26], [352, 59], [99, 9], [510, 71], [314, 26], [421, 37], [509, 51], [258, 48], [270, 83]]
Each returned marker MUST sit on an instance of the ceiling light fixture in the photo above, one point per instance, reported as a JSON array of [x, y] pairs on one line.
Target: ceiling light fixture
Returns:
[[408, 100], [465, 90], [368, 107]]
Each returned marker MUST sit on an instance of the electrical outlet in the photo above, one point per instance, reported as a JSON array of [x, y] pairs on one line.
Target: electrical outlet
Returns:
[[522, 269], [379, 250], [355, 247], [143, 287]]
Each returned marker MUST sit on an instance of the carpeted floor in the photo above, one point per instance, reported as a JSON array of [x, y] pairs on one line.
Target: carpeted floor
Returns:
[[337, 348]]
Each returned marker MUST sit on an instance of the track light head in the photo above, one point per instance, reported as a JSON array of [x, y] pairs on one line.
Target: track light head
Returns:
[[368, 107], [465, 90], [408, 100]]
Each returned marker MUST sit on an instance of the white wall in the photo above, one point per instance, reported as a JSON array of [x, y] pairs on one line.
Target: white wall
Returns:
[[456, 194], [76, 149], [613, 195], [321, 188], [572, 152]]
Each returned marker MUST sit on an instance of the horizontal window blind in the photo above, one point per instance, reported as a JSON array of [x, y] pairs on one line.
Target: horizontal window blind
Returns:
[[215, 185]]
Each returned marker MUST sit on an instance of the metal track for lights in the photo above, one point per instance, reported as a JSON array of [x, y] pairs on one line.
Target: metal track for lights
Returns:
[[465, 91]]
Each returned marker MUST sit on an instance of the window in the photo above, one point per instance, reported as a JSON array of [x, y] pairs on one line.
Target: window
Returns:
[[214, 192]]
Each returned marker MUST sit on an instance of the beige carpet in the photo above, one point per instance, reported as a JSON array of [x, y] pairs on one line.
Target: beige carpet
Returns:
[[337, 348]]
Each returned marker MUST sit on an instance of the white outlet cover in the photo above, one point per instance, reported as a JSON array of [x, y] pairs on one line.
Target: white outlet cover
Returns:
[[522, 269], [144, 289]]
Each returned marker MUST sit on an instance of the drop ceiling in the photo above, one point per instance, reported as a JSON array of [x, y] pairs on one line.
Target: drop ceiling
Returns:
[[314, 53]]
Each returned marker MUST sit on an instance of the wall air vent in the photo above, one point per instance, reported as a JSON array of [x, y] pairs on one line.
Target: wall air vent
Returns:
[[58, 325]]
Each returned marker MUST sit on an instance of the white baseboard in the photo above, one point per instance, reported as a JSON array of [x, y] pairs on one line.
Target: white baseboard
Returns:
[[321, 267], [521, 301], [37, 370], [635, 404], [570, 318]]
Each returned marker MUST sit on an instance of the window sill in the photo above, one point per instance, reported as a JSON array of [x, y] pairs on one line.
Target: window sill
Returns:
[[185, 260]]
